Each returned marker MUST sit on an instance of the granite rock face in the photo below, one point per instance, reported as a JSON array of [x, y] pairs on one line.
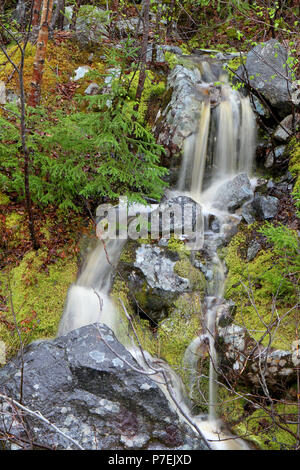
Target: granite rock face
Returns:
[[268, 73], [179, 117], [234, 193], [91, 395]]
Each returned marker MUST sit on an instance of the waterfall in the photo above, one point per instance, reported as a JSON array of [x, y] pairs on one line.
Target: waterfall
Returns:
[[226, 143], [195, 150], [88, 300], [233, 137]]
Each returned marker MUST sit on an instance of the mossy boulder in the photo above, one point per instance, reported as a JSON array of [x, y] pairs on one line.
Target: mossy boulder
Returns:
[[157, 276]]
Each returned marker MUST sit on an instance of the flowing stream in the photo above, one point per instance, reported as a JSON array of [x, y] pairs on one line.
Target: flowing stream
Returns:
[[232, 139]]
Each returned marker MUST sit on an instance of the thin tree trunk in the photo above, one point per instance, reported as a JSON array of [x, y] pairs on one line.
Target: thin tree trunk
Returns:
[[157, 42], [144, 48], [38, 66], [61, 16], [170, 18], [75, 14], [36, 13], [58, 16]]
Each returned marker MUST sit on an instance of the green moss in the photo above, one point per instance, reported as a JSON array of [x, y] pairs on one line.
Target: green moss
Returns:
[[13, 220], [230, 407], [154, 87], [178, 246], [4, 199], [180, 328], [266, 434], [38, 298], [173, 335], [232, 67], [128, 253], [185, 269], [173, 60], [60, 63], [265, 276], [120, 292]]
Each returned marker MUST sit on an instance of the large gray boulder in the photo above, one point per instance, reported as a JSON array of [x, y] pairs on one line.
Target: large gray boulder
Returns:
[[179, 118], [234, 193], [268, 73], [91, 395], [187, 89], [90, 24], [241, 360]]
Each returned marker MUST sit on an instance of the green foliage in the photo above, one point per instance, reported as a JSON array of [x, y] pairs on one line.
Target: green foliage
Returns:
[[286, 248], [261, 429], [102, 150], [232, 68], [152, 88], [269, 276]]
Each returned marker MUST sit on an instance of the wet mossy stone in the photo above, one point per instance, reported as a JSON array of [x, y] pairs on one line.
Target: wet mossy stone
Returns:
[[156, 277]]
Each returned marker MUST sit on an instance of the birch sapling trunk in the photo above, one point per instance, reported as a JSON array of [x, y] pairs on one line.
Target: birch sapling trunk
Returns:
[[36, 11], [38, 66]]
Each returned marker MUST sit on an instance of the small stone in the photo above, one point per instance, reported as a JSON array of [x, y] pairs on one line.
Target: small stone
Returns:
[[253, 249], [285, 129], [92, 89], [80, 72], [248, 213], [266, 207]]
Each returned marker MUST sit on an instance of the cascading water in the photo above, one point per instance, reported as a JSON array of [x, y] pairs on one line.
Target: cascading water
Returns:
[[232, 152], [232, 139]]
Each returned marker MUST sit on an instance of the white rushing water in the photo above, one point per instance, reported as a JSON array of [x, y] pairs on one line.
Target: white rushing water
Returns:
[[88, 301]]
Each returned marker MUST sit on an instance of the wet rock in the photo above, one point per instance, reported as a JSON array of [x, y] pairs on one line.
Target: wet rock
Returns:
[[266, 67], [179, 118], [248, 213], [149, 272], [225, 314], [185, 216], [159, 270], [234, 193], [265, 207], [92, 395], [275, 156], [92, 89], [287, 128], [253, 249], [259, 108]]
